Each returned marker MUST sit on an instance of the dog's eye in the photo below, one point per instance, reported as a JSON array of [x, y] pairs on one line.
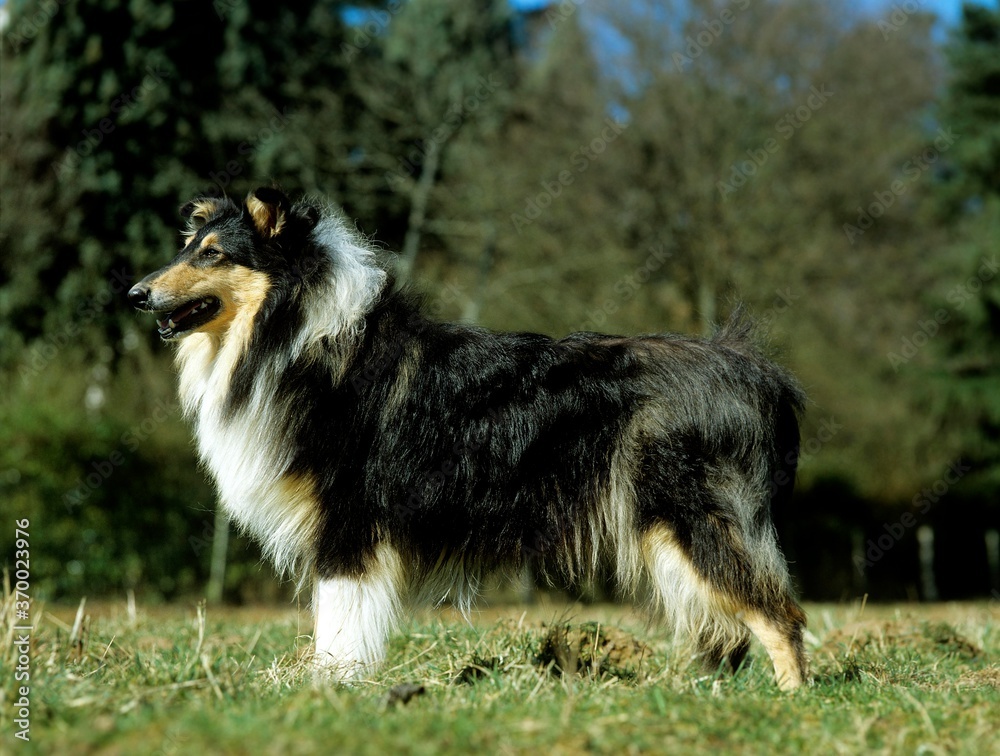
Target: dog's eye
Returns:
[[211, 252]]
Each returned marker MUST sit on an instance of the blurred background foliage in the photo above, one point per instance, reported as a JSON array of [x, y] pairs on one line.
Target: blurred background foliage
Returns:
[[624, 167]]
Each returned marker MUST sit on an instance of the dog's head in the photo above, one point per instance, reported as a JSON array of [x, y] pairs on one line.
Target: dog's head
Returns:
[[230, 258]]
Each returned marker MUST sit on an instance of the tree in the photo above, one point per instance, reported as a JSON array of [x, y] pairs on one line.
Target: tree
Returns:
[[530, 182], [436, 68], [969, 199], [756, 132]]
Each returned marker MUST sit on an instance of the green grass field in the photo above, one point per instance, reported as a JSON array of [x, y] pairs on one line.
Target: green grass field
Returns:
[[552, 678]]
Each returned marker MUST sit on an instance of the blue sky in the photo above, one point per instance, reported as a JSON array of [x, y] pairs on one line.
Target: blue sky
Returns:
[[948, 10]]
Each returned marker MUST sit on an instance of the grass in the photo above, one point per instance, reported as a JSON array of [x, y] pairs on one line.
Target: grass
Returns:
[[552, 678]]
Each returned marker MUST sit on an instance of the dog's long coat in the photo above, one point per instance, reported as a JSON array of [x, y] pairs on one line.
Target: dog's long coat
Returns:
[[389, 457]]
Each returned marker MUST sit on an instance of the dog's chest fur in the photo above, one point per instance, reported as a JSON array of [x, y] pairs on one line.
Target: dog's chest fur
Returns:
[[245, 454]]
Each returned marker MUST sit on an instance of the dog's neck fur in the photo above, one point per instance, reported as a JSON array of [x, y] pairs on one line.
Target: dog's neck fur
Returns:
[[206, 362]]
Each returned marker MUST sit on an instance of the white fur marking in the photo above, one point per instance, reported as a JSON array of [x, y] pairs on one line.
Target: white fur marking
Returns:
[[337, 310], [687, 602], [244, 454], [354, 616]]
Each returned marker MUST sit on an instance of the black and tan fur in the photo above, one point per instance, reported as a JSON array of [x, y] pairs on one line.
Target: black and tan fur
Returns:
[[387, 458]]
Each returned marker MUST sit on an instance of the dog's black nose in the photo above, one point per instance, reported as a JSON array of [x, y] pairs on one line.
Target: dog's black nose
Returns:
[[138, 295]]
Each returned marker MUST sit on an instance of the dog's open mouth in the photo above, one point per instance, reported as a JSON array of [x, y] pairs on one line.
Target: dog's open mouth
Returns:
[[187, 317]]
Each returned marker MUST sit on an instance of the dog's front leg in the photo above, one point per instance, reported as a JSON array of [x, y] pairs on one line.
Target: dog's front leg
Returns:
[[354, 616]]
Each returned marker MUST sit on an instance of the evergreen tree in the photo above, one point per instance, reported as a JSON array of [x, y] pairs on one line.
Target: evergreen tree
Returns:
[[116, 112], [971, 108], [970, 198]]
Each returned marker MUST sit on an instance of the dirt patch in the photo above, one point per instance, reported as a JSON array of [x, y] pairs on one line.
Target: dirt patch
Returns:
[[592, 648], [935, 638], [980, 678]]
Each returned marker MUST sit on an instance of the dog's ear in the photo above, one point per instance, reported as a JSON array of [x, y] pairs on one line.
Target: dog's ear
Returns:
[[306, 215], [197, 213], [268, 209]]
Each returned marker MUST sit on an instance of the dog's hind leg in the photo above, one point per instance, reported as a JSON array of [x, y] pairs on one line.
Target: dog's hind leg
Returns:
[[779, 629], [354, 616], [713, 592], [686, 600], [756, 587]]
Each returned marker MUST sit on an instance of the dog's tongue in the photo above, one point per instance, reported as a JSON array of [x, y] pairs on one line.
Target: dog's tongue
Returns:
[[178, 315]]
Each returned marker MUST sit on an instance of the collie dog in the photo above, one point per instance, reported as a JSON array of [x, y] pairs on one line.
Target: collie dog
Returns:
[[385, 458]]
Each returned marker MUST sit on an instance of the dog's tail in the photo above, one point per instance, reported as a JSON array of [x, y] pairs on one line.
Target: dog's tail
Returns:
[[787, 397], [739, 333]]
